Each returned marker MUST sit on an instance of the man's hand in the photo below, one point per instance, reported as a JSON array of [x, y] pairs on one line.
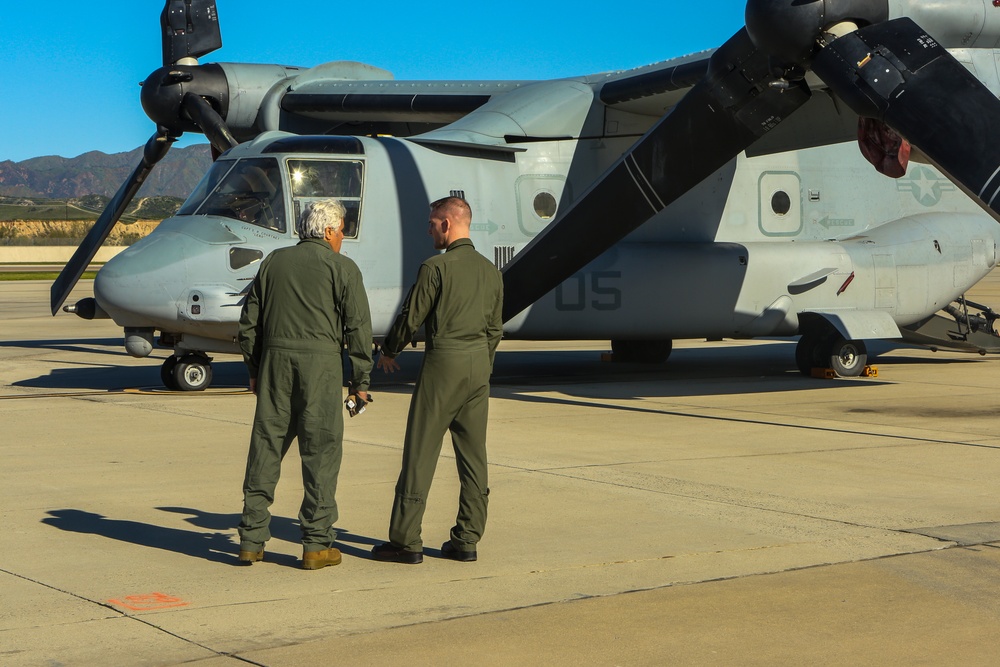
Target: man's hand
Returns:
[[356, 402], [387, 364], [253, 386]]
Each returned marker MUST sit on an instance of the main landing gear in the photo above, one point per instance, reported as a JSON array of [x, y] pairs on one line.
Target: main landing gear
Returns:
[[847, 358], [192, 372]]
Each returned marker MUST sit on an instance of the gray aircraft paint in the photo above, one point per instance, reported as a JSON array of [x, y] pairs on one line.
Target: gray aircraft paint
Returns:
[[796, 227]]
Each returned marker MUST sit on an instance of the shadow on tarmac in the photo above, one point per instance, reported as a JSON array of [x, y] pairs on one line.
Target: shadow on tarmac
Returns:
[[110, 378], [217, 547], [281, 528], [768, 367], [88, 345]]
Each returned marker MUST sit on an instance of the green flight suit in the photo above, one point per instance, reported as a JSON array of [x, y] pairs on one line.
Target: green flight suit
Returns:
[[459, 297], [305, 301]]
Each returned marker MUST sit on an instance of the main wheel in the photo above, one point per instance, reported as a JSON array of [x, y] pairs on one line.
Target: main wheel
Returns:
[[809, 353], [848, 358], [167, 373], [193, 373]]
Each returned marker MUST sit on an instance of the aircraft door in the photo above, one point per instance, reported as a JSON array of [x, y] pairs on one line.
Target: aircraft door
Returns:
[[780, 203], [885, 282], [982, 256]]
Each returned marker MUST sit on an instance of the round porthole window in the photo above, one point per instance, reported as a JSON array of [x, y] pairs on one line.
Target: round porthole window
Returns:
[[545, 205], [781, 203]]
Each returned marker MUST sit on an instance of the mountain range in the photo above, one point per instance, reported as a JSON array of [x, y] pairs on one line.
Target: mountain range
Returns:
[[97, 173]]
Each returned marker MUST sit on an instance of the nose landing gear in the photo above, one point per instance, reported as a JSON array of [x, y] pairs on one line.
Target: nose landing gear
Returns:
[[192, 372]]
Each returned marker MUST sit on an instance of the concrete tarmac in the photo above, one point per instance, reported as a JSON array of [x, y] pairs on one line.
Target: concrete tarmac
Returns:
[[719, 510]]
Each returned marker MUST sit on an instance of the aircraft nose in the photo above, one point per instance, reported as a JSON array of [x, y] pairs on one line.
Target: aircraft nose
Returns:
[[140, 287]]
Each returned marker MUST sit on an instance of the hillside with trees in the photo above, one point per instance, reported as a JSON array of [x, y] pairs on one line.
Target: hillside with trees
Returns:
[[97, 173]]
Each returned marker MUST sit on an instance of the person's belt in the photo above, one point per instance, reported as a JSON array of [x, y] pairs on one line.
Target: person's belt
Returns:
[[299, 345], [457, 345]]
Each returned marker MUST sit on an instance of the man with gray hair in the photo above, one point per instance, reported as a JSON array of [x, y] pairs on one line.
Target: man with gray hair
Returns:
[[306, 302], [320, 216]]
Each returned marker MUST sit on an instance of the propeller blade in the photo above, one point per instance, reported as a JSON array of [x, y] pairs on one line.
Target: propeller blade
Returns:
[[738, 101], [897, 73], [190, 30], [210, 122], [155, 149]]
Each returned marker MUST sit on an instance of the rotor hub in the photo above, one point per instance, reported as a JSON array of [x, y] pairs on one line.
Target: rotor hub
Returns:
[[790, 30], [163, 94]]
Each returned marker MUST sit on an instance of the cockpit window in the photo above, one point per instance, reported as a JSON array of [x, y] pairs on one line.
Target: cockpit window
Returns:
[[248, 190], [312, 180]]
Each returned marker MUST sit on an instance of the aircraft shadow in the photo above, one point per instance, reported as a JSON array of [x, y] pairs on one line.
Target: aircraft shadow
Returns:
[[88, 345], [216, 546], [695, 371], [767, 367], [752, 368], [111, 377]]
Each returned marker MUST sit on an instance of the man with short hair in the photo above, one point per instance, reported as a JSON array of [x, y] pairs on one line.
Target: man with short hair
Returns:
[[458, 296], [304, 303]]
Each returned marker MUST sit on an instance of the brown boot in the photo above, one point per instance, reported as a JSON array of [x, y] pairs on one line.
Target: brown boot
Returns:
[[314, 560], [251, 557]]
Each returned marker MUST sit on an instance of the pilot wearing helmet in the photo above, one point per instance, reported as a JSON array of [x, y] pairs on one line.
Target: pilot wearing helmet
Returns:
[[306, 302]]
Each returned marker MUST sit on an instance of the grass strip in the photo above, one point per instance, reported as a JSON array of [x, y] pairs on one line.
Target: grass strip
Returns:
[[40, 275]]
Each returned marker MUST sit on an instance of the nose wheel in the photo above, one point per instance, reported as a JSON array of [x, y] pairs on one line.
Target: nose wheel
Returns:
[[192, 372]]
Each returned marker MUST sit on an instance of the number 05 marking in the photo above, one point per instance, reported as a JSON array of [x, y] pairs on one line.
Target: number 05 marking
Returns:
[[572, 295]]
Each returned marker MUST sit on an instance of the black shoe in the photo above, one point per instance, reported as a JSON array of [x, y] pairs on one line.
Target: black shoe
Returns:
[[390, 553], [448, 550]]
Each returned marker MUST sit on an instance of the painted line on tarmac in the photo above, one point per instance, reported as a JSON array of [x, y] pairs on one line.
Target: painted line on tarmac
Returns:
[[539, 398], [134, 391], [131, 616], [224, 390], [63, 394]]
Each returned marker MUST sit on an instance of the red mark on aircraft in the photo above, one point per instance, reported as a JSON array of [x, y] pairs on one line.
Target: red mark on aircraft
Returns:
[[846, 284]]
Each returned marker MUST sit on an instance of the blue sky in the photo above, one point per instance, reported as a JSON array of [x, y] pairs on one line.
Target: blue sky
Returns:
[[72, 68]]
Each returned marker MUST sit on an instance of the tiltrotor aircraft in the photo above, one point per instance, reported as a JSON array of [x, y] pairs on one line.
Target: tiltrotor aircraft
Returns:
[[717, 195]]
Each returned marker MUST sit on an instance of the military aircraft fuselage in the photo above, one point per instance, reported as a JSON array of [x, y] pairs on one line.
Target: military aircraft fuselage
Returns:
[[721, 194], [762, 244]]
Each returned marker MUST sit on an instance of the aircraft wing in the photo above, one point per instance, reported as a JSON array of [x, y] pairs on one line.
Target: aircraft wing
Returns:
[[651, 91], [344, 91], [347, 92], [655, 89], [391, 101], [323, 94]]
